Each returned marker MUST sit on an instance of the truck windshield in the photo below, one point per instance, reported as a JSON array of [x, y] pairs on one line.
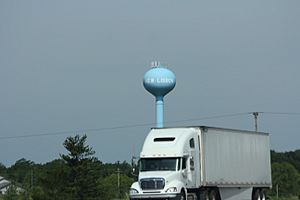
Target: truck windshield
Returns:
[[158, 164]]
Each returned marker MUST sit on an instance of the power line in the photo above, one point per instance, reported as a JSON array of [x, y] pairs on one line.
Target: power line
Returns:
[[281, 113], [115, 127], [74, 131], [210, 117], [255, 114], [276, 113], [140, 125]]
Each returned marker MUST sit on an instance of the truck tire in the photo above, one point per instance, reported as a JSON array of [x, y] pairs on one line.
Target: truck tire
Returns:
[[182, 195], [256, 195], [213, 195], [206, 197], [263, 195], [202, 195]]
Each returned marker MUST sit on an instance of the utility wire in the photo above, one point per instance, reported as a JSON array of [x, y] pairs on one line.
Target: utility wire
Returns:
[[74, 131], [281, 113], [139, 125], [116, 127], [255, 114], [276, 113], [210, 117]]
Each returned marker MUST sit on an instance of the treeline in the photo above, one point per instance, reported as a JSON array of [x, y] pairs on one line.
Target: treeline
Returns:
[[77, 175], [285, 174]]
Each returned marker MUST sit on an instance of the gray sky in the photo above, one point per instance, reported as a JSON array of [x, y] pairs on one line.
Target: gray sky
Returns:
[[78, 65]]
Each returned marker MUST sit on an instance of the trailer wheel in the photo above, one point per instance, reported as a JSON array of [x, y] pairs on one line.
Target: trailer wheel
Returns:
[[256, 195], [262, 195]]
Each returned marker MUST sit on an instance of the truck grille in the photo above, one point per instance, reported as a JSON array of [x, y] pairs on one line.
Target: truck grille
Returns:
[[152, 183]]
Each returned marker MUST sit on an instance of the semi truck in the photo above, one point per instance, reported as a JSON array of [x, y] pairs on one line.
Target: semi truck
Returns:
[[203, 163]]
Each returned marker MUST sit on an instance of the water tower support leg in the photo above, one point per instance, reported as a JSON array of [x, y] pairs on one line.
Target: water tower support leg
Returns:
[[159, 112]]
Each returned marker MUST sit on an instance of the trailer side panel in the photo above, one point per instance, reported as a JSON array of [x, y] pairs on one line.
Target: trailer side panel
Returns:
[[235, 158]]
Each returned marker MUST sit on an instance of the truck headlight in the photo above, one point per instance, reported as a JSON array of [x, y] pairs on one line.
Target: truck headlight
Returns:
[[171, 189], [133, 191]]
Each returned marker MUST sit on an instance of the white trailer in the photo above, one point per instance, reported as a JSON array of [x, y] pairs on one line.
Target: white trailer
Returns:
[[203, 163]]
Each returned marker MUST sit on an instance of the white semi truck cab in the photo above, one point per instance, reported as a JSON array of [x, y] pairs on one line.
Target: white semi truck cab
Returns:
[[203, 163]]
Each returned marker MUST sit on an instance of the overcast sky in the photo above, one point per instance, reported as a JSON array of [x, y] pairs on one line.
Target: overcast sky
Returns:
[[72, 66]]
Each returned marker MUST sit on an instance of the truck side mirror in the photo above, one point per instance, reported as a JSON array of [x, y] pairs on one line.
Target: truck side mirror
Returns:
[[192, 164]]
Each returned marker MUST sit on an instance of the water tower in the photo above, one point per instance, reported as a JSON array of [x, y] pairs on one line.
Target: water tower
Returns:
[[159, 81]]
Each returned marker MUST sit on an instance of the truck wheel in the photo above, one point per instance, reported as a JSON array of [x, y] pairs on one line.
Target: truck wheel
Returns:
[[213, 195], [262, 195], [256, 194], [182, 195], [206, 196]]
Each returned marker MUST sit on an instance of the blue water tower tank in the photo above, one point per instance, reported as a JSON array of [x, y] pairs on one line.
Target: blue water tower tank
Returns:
[[159, 81]]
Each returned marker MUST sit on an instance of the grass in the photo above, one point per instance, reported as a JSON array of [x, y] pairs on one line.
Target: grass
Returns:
[[285, 198]]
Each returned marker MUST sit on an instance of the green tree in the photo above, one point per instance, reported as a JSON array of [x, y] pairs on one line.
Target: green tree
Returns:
[[20, 170], [110, 189], [81, 176], [292, 157], [2, 169], [286, 177], [11, 194], [52, 181], [37, 193]]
